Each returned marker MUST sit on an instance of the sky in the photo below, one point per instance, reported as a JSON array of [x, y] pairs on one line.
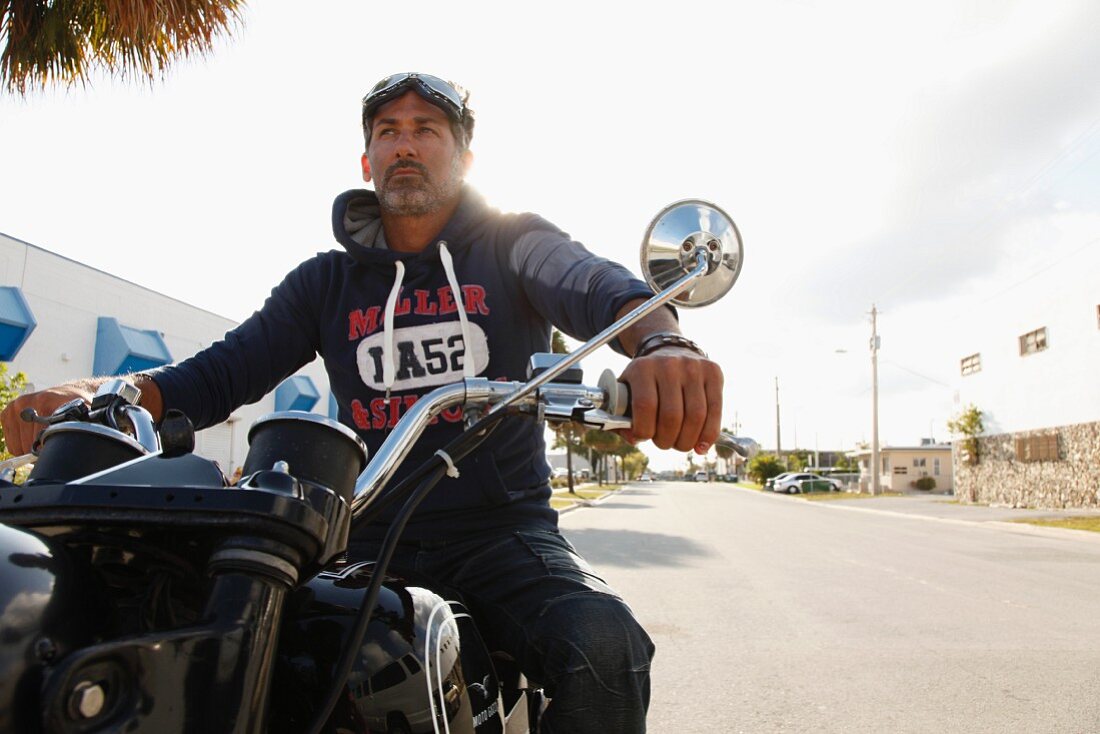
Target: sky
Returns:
[[923, 158]]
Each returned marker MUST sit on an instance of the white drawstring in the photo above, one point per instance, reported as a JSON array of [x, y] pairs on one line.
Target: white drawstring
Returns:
[[389, 354], [449, 268], [389, 359]]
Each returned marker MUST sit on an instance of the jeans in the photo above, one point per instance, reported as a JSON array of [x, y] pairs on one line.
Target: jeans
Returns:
[[533, 597]]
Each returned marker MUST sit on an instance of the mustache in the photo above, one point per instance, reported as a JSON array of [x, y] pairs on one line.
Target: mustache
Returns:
[[414, 165]]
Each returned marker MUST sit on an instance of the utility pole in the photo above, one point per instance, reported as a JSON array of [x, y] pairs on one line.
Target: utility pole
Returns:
[[876, 486], [778, 444]]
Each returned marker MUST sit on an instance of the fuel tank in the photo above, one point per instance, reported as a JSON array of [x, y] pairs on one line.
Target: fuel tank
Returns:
[[422, 664]]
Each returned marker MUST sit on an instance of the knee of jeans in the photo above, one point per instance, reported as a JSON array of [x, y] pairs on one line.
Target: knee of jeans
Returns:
[[592, 632]]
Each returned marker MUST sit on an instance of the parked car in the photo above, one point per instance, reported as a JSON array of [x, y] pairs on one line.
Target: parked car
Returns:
[[769, 484], [646, 477], [798, 483], [701, 476]]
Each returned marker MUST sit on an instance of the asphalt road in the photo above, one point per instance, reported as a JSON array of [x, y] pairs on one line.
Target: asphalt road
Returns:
[[773, 614]]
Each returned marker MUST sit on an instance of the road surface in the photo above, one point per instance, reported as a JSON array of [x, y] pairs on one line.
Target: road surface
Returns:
[[774, 614]]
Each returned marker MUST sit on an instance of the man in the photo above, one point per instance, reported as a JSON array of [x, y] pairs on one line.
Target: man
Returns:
[[434, 285]]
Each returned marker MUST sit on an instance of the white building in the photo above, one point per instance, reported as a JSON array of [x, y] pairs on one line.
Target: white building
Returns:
[[1031, 371], [61, 320], [559, 463], [901, 467]]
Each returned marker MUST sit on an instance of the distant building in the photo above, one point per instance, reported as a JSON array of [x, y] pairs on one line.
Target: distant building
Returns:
[[901, 466], [558, 462], [61, 320], [1030, 371]]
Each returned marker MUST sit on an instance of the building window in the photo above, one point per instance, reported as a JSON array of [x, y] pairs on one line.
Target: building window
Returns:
[[918, 463], [935, 467], [1037, 448], [901, 470], [1033, 341], [972, 364]]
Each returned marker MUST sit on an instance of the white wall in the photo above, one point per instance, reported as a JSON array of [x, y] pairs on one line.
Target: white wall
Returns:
[[1055, 387], [67, 298]]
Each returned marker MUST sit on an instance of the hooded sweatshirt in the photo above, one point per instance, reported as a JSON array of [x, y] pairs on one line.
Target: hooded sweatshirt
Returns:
[[389, 323]]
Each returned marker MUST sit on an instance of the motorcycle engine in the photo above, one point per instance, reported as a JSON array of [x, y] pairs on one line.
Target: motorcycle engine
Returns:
[[49, 606]]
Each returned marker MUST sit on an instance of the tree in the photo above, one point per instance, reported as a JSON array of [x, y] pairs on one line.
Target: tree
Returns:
[[711, 466], [726, 454], [566, 435], [690, 459], [634, 462], [51, 42], [968, 423], [569, 436], [601, 444], [764, 466], [631, 459], [557, 343], [11, 387]]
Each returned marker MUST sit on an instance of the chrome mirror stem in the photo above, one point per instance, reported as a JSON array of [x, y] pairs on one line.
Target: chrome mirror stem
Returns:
[[702, 266]]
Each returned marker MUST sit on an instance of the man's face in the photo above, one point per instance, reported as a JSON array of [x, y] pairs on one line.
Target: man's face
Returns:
[[413, 157]]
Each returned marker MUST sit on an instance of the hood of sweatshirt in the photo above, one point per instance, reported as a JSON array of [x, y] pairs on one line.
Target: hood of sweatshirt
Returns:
[[357, 221]]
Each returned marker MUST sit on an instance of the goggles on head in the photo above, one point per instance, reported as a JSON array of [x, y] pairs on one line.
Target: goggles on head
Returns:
[[441, 93]]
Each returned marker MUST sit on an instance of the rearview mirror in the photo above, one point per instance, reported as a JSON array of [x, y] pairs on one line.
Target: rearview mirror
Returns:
[[670, 244]]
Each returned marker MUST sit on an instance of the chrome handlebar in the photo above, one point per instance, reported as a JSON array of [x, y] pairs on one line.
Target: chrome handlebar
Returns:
[[555, 402]]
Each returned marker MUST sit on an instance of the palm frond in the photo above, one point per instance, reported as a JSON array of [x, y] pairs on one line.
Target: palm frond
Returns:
[[62, 42]]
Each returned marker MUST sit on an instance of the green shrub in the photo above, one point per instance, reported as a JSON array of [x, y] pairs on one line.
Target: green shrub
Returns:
[[764, 467], [925, 483]]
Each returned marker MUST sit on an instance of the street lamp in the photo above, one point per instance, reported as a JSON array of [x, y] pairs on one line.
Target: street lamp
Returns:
[[778, 444], [875, 344], [876, 487]]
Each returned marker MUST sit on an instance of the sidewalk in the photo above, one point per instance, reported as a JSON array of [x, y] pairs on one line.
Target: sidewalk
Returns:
[[944, 508], [947, 507], [919, 506]]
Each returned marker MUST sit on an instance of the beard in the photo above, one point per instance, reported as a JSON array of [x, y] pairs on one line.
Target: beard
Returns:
[[411, 196]]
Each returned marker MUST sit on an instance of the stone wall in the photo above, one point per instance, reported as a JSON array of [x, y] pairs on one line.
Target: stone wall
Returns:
[[1001, 477]]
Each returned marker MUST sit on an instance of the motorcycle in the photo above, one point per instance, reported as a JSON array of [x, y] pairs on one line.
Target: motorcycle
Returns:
[[141, 591]]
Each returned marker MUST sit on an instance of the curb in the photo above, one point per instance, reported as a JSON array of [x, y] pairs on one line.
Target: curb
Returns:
[[577, 504]]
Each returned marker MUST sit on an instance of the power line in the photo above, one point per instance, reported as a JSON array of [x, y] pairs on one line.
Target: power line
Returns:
[[918, 374], [1042, 270]]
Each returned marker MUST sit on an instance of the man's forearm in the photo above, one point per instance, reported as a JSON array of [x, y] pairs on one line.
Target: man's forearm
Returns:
[[658, 321]]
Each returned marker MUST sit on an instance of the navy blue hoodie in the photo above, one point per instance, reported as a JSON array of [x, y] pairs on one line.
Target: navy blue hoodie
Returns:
[[518, 275]]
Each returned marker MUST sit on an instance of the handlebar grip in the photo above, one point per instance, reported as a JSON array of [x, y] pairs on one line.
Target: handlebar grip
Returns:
[[618, 394]]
